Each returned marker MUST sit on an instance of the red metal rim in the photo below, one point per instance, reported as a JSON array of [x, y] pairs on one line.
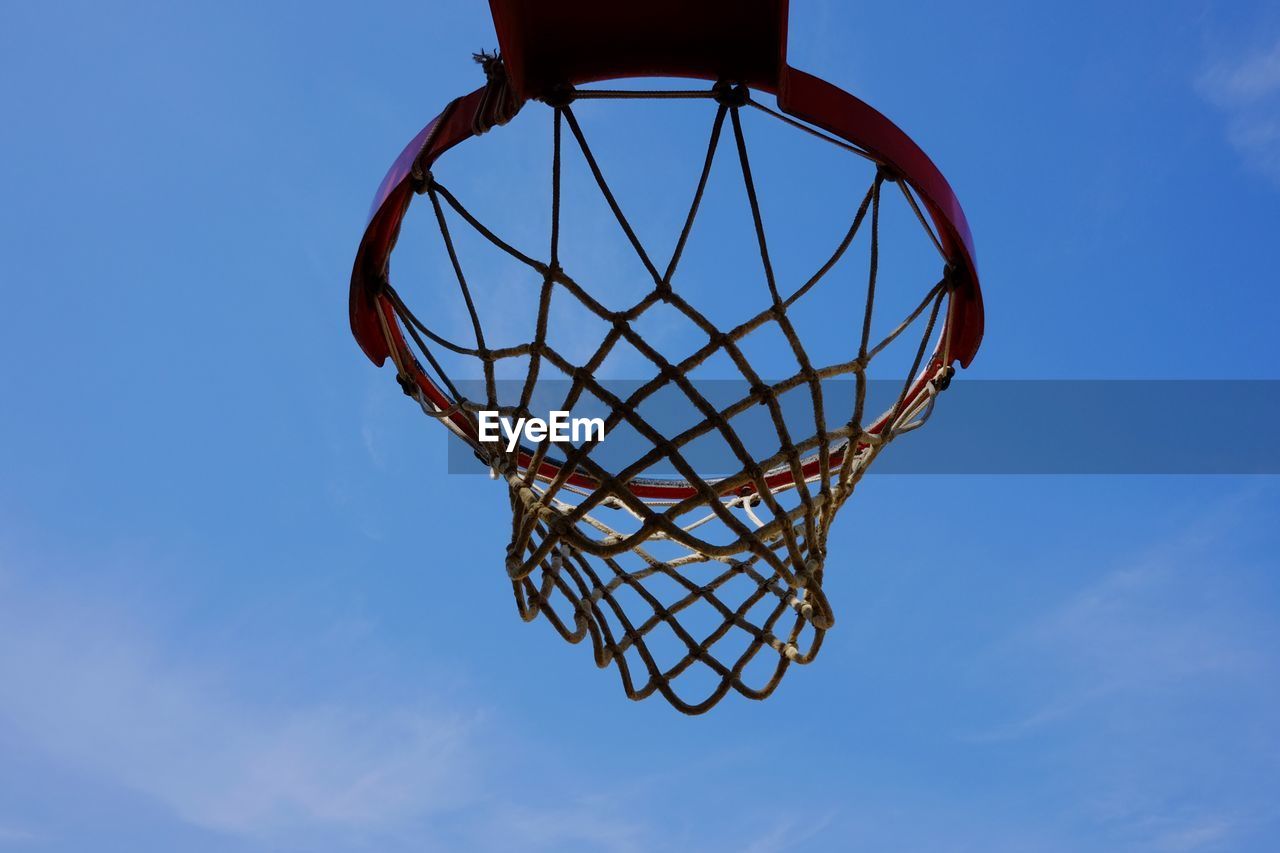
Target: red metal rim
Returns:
[[800, 95]]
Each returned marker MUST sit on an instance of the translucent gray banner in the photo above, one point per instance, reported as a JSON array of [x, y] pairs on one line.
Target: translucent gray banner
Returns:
[[977, 427]]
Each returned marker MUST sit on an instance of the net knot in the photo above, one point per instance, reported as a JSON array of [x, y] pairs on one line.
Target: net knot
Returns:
[[730, 94], [423, 180], [515, 566], [887, 174], [407, 385], [498, 464], [560, 96]]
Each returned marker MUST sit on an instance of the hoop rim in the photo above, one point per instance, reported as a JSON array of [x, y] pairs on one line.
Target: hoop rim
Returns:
[[799, 95]]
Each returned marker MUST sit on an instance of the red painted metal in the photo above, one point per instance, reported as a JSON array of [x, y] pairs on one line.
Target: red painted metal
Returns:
[[545, 44], [823, 105], [583, 41]]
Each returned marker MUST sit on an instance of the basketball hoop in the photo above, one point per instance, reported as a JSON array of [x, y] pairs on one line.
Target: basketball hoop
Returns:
[[728, 570]]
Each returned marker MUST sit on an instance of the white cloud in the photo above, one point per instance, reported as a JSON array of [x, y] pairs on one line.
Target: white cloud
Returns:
[[95, 694], [584, 823], [1153, 684], [1171, 617], [1235, 82], [85, 683], [790, 834], [10, 834], [1195, 835], [1247, 90]]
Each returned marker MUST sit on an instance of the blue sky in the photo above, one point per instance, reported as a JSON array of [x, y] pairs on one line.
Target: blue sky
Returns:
[[227, 620]]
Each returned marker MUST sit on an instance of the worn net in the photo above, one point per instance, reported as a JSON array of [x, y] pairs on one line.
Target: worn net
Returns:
[[689, 586]]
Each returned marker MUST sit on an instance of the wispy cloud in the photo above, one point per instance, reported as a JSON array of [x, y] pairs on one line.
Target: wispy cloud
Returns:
[[99, 695], [1247, 90], [89, 685], [10, 834], [1157, 679], [1195, 835], [1243, 80], [790, 834], [1167, 618], [584, 824]]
